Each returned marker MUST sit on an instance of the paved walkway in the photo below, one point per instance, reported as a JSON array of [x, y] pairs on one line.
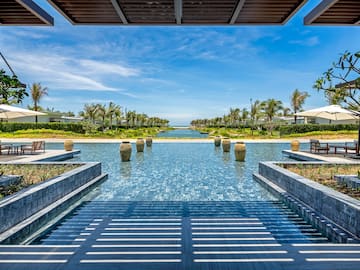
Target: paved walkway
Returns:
[[48, 155], [306, 156], [182, 235]]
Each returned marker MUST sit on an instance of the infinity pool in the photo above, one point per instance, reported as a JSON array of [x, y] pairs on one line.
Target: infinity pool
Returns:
[[181, 133], [181, 172], [179, 203]]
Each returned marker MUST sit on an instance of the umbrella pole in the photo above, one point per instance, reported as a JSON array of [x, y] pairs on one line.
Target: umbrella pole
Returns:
[[358, 141]]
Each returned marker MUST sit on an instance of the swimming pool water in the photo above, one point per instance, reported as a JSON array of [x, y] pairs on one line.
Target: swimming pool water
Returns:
[[180, 172], [192, 191], [181, 133]]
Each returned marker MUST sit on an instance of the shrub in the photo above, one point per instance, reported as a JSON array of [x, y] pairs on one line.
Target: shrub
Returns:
[[304, 128], [11, 127]]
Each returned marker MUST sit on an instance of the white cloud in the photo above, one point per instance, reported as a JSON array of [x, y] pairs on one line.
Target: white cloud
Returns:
[[310, 42], [61, 72], [108, 68]]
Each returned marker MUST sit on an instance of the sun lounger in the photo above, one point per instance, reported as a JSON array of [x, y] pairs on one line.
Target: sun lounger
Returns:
[[33, 147], [351, 146], [317, 147], [5, 147]]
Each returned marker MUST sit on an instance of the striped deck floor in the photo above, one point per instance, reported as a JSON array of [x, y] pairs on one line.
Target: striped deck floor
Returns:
[[182, 235]]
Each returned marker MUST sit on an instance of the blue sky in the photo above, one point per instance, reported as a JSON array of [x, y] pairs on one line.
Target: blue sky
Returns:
[[178, 73]]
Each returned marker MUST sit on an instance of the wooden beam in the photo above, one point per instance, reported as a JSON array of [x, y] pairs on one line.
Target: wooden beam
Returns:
[[178, 11], [119, 11], [62, 12], [357, 21], [37, 11], [237, 10], [294, 11], [318, 10]]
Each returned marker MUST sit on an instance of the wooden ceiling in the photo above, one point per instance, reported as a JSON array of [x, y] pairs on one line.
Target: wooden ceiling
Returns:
[[23, 12], [335, 12], [167, 12], [185, 12]]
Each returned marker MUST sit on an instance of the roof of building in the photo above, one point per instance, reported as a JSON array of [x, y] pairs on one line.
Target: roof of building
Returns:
[[23, 12]]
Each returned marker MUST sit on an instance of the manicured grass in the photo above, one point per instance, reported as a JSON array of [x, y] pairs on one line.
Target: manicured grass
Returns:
[[247, 133], [32, 174], [59, 134], [324, 174]]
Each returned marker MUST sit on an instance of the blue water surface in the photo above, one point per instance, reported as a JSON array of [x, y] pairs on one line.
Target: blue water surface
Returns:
[[181, 133], [181, 172]]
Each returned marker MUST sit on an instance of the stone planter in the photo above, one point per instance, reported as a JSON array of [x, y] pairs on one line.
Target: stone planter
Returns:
[[240, 151], [226, 144], [295, 145], [140, 145], [125, 151], [23, 213], [148, 141], [68, 145], [217, 141]]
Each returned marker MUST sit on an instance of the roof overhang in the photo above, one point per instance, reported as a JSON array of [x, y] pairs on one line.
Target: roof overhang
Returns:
[[23, 12], [350, 85], [175, 12], [335, 12]]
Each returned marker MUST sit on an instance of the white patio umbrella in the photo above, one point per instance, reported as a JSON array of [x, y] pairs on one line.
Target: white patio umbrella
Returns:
[[334, 112], [9, 112]]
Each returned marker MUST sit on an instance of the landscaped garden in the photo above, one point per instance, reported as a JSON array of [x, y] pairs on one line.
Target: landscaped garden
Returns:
[[325, 175], [31, 174]]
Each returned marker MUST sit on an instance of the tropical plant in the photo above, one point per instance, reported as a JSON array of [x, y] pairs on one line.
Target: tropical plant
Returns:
[[37, 93], [270, 109], [234, 117], [244, 115], [285, 111], [255, 110], [89, 112], [341, 82], [12, 91], [112, 111], [101, 113], [297, 101]]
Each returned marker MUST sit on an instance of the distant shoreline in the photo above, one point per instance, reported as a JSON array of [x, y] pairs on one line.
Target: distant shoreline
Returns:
[[160, 140]]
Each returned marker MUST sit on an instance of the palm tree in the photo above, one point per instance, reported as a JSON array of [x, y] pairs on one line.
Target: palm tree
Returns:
[[255, 111], [234, 117], [111, 111], [270, 108], [89, 112], [101, 112], [244, 115], [37, 93], [297, 101], [286, 111]]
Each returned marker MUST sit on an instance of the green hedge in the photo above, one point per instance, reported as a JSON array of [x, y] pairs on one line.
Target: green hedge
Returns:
[[11, 127], [304, 128]]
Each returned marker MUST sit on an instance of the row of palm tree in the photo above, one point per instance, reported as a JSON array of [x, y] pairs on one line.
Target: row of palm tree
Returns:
[[108, 115], [264, 110]]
